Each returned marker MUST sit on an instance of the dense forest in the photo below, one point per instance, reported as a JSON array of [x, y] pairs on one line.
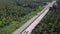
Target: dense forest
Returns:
[[9, 11], [50, 24], [14, 13]]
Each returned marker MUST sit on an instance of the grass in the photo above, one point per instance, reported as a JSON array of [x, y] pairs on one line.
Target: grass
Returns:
[[15, 24]]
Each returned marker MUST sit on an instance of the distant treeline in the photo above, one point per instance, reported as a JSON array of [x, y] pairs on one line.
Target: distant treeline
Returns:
[[30, 3]]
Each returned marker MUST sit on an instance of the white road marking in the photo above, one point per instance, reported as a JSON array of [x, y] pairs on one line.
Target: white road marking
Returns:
[[32, 26]]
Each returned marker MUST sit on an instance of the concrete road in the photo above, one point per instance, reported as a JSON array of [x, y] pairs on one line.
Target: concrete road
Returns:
[[33, 25], [30, 25]]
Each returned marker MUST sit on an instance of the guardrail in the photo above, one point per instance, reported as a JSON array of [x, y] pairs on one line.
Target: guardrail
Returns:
[[27, 27]]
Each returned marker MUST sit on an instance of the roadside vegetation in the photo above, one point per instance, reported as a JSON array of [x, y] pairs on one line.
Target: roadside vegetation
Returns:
[[50, 24], [13, 15]]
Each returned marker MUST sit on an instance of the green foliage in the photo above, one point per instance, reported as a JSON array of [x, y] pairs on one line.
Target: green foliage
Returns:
[[13, 16], [14, 13], [50, 24]]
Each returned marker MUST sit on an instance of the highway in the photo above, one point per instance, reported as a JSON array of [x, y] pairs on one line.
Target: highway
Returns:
[[32, 26], [33, 22]]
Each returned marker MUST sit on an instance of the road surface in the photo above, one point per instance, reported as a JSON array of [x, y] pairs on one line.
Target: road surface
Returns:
[[30, 25]]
